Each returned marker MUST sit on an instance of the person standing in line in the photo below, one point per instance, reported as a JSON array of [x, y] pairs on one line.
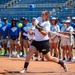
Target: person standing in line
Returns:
[[14, 36], [54, 38], [24, 33], [4, 33]]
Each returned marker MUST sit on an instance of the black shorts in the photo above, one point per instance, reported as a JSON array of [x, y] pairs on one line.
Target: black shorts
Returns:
[[41, 46], [25, 37], [14, 37]]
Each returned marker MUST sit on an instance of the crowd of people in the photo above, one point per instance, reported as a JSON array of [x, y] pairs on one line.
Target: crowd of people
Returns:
[[15, 40]]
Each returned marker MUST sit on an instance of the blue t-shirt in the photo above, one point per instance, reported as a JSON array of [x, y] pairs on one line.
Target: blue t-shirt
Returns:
[[1, 25], [73, 24], [24, 28], [4, 30], [14, 31], [60, 25], [29, 24]]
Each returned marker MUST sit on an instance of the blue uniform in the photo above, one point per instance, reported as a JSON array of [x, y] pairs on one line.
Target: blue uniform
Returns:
[[24, 29], [14, 31], [1, 25], [60, 25], [4, 30]]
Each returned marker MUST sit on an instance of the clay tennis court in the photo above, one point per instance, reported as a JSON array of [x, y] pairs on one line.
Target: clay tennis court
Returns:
[[35, 67]]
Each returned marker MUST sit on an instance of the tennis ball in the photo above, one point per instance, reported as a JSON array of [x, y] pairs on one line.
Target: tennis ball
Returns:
[[20, 25]]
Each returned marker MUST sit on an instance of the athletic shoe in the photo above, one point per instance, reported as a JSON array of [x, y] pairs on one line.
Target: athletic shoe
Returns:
[[10, 55], [64, 66], [24, 56], [64, 58], [21, 54], [41, 59], [72, 60], [18, 56], [36, 60], [23, 71]]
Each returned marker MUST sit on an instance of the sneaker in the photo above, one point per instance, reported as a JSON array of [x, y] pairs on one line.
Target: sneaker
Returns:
[[18, 56], [72, 60], [10, 55], [67, 60], [24, 56], [41, 59], [64, 66], [21, 54], [22, 71], [64, 58], [36, 60]]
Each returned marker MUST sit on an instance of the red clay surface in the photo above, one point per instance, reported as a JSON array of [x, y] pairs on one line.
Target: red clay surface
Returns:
[[35, 67]]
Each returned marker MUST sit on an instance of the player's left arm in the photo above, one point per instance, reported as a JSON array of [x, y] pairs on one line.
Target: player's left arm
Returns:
[[43, 30]]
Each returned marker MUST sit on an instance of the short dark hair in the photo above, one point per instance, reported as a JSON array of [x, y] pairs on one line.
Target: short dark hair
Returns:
[[46, 12]]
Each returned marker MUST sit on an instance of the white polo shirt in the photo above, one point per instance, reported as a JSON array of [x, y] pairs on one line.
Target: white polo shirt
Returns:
[[46, 27]]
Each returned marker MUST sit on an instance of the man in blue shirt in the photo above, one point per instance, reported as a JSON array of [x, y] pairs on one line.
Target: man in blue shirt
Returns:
[[24, 31], [14, 33], [1, 25], [59, 23], [4, 33]]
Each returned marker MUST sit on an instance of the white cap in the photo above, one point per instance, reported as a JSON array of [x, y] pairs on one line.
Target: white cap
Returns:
[[67, 21], [54, 18], [68, 17], [73, 18], [33, 18]]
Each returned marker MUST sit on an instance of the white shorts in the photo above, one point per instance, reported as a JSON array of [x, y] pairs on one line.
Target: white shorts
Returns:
[[56, 40], [65, 42]]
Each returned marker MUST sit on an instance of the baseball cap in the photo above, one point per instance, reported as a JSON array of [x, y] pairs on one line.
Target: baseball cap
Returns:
[[23, 18], [33, 18], [73, 18], [67, 21], [4, 19], [14, 19], [26, 19], [54, 18]]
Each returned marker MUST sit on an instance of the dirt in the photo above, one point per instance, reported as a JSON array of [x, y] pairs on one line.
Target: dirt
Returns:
[[35, 67]]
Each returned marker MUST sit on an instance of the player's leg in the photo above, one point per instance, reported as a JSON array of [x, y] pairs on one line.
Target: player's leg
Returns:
[[64, 52], [4, 43], [25, 45], [17, 44], [11, 48], [31, 51], [47, 55], [8, 46], [51, 47], [74, 42], [21, 48], [56, 60], [70, 51], [64, 48], [56, 48], [59, 48]]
